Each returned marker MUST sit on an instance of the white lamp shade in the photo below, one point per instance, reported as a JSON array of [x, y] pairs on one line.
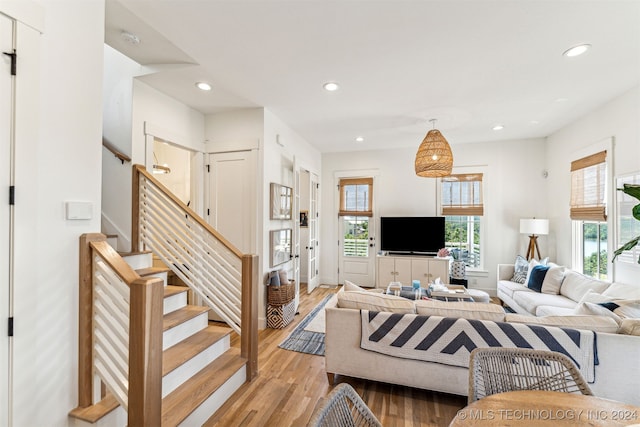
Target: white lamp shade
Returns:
[[539, 227]]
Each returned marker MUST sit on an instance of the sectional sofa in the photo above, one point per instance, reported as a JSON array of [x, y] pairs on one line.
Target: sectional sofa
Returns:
[[616, 374]]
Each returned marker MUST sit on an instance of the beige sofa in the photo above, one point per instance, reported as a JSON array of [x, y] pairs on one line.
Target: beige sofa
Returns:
[[344, 355]]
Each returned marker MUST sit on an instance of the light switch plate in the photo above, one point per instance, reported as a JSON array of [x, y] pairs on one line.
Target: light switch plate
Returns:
[[79, 210]]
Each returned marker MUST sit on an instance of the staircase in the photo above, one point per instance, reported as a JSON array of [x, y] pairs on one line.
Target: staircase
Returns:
[[146, 357], [200, 370]]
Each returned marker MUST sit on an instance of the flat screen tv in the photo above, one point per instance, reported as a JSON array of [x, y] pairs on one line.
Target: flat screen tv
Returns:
[[412, 235]]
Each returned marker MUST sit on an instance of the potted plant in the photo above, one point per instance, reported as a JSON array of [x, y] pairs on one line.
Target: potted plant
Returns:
[[632, 190]]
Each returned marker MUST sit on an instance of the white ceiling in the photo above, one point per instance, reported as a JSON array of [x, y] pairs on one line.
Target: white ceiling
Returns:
[[469, 64]]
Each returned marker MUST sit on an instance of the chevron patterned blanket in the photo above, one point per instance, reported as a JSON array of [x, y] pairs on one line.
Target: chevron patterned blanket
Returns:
[[450, 340]]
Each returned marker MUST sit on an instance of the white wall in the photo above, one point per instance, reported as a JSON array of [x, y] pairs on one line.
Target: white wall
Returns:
[[117, 104], [620, 119], [141, 105], [398, 191], [278, 167], [58, 161]]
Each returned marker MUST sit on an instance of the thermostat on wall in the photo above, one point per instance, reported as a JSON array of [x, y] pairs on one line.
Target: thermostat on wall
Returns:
[[79, 210]]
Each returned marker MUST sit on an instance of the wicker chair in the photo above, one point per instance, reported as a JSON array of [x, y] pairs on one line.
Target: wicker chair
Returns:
[[496, 370], [343, 407]]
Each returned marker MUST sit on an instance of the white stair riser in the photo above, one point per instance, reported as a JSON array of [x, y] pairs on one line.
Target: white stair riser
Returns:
[[178, 333], [180, 375], [162, 275], [174, 302], [216, 400], [138, 261]]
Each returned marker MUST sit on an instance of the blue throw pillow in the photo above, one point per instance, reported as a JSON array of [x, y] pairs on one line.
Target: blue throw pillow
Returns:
[[537, 277]]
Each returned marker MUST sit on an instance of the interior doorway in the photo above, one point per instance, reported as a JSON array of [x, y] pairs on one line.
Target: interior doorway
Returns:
[[309, 245], [172, 167]]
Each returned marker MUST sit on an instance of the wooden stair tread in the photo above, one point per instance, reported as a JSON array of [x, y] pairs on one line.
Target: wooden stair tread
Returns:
[[177, 406], [142, 272], [95, 412], [111, 236], [171, 290], [183, 351], [182, 315]]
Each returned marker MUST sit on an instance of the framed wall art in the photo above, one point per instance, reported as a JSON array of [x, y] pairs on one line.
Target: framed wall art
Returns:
[[281, 198], [280, 244]]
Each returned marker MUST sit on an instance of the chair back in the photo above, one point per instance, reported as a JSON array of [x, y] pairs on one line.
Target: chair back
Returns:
[[343, 407], [497, 369]]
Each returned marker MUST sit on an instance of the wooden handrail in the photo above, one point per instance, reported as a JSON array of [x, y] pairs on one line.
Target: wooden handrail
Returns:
[[135, 235], [119, 154]]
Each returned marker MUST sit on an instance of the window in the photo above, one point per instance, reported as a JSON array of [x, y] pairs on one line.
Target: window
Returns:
[[588, 210], [356, 210], [462, 207]]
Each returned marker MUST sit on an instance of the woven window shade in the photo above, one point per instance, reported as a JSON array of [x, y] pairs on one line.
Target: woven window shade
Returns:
[[434, 157], [355, 197], [588, 179], [462, 195]]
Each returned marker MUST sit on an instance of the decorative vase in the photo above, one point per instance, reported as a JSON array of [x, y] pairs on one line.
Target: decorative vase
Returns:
[[458, 269]]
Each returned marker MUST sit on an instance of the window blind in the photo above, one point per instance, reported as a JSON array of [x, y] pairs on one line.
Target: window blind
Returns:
[[462, 194], [588, 179], [355, 197]]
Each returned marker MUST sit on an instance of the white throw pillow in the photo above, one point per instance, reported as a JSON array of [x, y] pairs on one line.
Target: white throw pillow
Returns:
[[589, 308], [351, 287], [553, 280]]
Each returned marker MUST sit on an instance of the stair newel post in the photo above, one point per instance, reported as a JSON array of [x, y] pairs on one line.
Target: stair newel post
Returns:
[[145, 352], [85, 318], [249, 319], [135, 209]]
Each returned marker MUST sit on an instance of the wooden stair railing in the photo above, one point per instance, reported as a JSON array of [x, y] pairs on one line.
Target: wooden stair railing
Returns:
[[119, 154], [120, 336], [222, 276]]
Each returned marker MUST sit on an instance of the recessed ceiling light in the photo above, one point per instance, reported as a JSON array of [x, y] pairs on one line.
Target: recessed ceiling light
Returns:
[[562, 99], [576, 50], [203, 86], [498, 127], [330, 86], [359, 138], [534, 122]]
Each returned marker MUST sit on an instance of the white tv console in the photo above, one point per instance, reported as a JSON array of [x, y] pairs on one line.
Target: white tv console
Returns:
[[405, 268]]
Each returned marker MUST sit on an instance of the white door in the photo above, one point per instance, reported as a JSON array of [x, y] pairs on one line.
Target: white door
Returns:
[[357, 250], [312, 220], [6, 223], [232, 197]]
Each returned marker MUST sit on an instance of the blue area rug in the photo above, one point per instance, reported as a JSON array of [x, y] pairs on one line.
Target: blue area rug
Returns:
[[306, 341]]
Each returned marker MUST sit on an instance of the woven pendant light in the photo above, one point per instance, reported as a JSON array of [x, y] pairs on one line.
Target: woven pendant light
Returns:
[[434, 158]]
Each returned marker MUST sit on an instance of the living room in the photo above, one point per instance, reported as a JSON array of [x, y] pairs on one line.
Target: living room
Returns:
[[525, 176]]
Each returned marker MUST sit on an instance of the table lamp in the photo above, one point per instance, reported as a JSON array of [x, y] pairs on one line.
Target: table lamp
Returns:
[[534, 228]]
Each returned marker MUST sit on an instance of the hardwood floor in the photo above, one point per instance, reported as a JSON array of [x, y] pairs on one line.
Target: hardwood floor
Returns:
[[291, 384]]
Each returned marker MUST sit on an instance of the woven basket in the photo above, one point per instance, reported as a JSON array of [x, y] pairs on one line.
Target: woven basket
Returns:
[[281, 295]]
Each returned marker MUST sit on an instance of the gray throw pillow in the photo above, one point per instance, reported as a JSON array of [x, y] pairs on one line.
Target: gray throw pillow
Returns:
[[521, 265]]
